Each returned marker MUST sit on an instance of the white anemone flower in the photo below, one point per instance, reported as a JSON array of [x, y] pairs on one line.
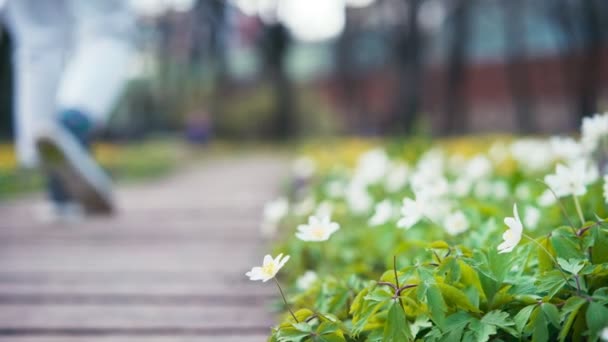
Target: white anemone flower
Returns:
[[324, 209], [566, 148], [456, 223], [382, 214], [513, 235], [604, 334], [546, 199], [396, 177], [412, 211], [269, 269], [306, 280], [572, 180], [478, 167], [593, 130], [533, 155], [317, 229], [274, 212], [461, 187], [605, 188], [358, 199], [372, 166], [531, 217]]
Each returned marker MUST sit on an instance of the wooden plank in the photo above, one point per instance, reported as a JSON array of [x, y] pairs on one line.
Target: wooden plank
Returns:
[[114, 337], [124, 317], [169, 267]]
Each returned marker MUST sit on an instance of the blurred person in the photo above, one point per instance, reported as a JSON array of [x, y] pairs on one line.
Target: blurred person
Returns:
[[70, 60]]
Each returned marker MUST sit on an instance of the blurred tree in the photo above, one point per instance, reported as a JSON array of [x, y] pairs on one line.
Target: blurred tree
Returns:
[[6, 81], [592, 42], [275, 45], [516, 64], [455, 112], [409, 49]]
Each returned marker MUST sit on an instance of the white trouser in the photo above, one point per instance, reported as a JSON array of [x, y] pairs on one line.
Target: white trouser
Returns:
[[69, 54]]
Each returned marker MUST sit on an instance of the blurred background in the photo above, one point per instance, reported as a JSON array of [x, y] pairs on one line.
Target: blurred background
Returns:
[[277, 69]]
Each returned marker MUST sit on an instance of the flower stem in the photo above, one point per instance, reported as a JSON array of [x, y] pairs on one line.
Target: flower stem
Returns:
[[561, 205], [578, 209], [285, 300], [548, 254]]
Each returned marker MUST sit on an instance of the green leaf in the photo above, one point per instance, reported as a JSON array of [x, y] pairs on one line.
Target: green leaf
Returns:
[[522, 317], [482, 330], [541, 332], [397, 327], [572, 266], [597, 318], [565, 247], [333, 337], [439, 245], [599, 254], [454, 296], [570, 309], [302, 326], [552, 314], [436, 305], [497, 318]]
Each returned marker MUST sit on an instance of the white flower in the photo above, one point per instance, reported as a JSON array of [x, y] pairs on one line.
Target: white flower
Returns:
[[566, 148], [269, 268], [461, 187], [531, 217], [604, 334], [513, 235], [358, 199], [304, 167], [412, 211], [546, 199], [605, 188], [429, 185], [593, 130], [533, 155], [456, 223], [274, 212], [372, 166], [478, 167], [317, 229], [324, 209], [500, 189], [382, 214], [396, 178], [499, 152], [306, 280], [572, 179]]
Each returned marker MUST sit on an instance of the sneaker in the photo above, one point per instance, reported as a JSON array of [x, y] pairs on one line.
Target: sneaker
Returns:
[[64, 156], [64, 213]]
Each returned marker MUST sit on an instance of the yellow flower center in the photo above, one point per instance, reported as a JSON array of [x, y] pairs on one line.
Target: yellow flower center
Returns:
[[269, 269], [318, 232]]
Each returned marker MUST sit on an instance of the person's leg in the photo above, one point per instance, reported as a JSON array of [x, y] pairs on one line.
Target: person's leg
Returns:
[[40, 32], [97, 72], [94, 77]]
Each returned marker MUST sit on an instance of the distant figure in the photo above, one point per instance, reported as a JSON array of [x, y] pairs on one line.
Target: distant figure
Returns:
[[70, 61]]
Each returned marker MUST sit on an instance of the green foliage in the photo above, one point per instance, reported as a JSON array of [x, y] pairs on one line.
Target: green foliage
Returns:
[[382, 283]]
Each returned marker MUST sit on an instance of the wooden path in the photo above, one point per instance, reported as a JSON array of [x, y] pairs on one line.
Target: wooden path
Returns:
[[169, 267]]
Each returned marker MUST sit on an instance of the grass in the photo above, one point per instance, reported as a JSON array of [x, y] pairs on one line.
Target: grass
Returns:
[[125, 162]]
